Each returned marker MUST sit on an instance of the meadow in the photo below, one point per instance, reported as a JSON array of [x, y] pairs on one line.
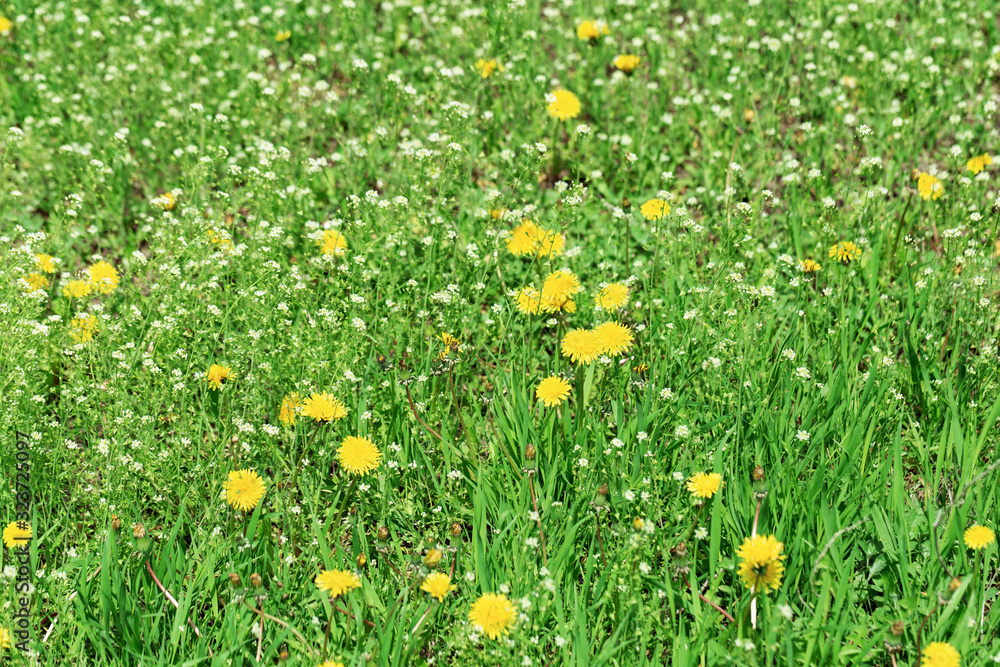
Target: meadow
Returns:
[[427, 332]]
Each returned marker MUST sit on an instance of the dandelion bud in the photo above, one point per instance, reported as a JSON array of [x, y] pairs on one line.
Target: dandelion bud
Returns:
[[759, 484], [383, 533], [116, 523], [637, 523], [284, 655], [353, 510], [897, 627], [256, 581], [142, 542], [626, 204], [954, 584], [758, 473], [748, 115], [433, 557], [456, 529], [530, 464], [679, 554], [235, 580], [529, 453], [915, 174], [138, 531], [601, 499], [893, 642], [362, 561]]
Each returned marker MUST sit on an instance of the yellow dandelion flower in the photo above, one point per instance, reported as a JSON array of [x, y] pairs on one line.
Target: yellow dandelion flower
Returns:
[[626, 63], [940, 654], [46, 263], [103, 277], [704, 485], [563, 105], [528, 300], [244, 489], [5, 24], [77, 289], [553, 304], [332, 663], [333, 243], [809, 266], [437, 585], [216, 375], [655, 209], [449, 340], [523, 239], [552, 391], [283, 35], [492, 615], [487, 67], [612, 297], [165, 202], [17, 534], [4, 632], [845, 252], [561, 283], [35, 282], [591, 30], [323, 407], [497, 213], [289, 407], [615, 338], [358, 456], [82, 328], [760, 565], [929, 187], [550, 243], [337, 582], [978, 163], [979, 537], [581, 345]]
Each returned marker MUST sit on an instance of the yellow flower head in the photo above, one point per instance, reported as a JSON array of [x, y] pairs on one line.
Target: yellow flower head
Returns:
[[323, 407], [561, 283], [333, 243], [337, 582], [809, 266], [612, 297], [82, 328], [626, 63], [283, 35], [449, 340], [77, 289], [581, 345], [437, 585], [929, 186], [216, 375], [979, 537], [704, 485], [978, 163], [760, 562], [289, 406], [845, 252], [655, 209], [493, 615], [615, 338], [487, 67], [165, 202], [332, 663], [591, 30], [523, 239], [5, 24], [563, 104], [549, 243], [244, 489], [528, 300], [358, 456], [103, 277], [17, 534], [35, 282], [552, 391], [46, 263], [940, 654], [4, 632]]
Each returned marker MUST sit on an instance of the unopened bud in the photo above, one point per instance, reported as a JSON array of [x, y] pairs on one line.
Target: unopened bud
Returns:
[[256, 581], [362, 561], [758, 474], [383, 533], [954, 584], [433, 557], [116, 523], [456, 529], [759, 483], [529, 452], [235, 580], [897, 627], [284, 655], [626, 204], [138, 531], [530, 464], [915, 174], [601, 499]]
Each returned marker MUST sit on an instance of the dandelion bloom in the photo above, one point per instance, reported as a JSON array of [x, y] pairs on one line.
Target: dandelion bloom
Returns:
[[809, 266], [333, 243], [77, 289], [552, 391], [4, 632], [358, 456], [166, 202], [612, 297], [437, 585], [626, 63], [337, 582], [978, 163], [563, 104], [217, 374], [5, 24], [244, 489], [979, 537], [104, 277], [845, 251], [487, 67], [590, 30], [549, 243], [283, 35], [35, 281], [528, 300], [655, 209], [562, 283], [323, 407], [940, 654], [615, 338], [497, 213], [289, 406], [46, 263], [492, 615], [760, 564], [523, 240], [704, 485], [17, 534], [332, 663], [552, 303], [929, 186], [449, 340], [581, 345], [82, 328]]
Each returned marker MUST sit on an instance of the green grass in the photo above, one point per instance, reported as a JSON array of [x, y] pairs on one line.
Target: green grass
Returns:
[[866, 390]]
